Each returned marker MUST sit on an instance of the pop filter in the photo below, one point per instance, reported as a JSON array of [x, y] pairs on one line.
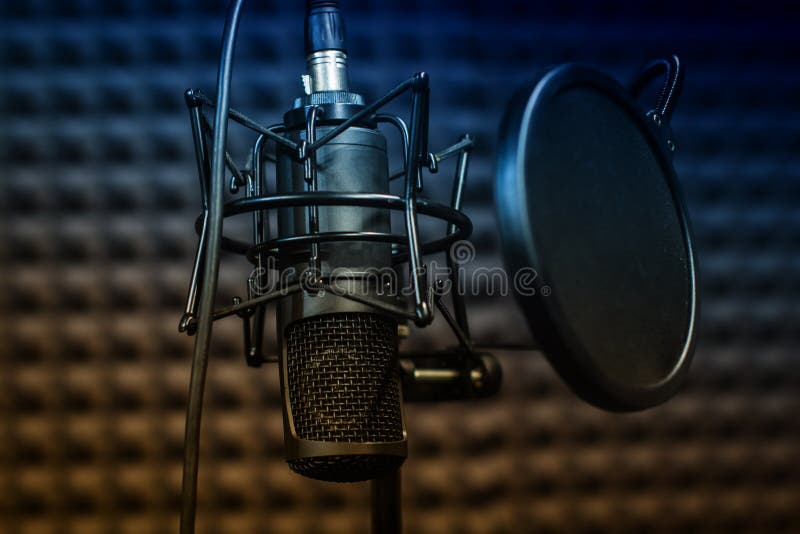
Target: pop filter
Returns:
[[587, 197]]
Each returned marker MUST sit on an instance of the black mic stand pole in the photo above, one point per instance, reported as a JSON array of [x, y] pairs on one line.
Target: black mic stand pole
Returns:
[[385, 501]]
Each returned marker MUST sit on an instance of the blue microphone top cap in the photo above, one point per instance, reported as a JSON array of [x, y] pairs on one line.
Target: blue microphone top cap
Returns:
[[324, 26]]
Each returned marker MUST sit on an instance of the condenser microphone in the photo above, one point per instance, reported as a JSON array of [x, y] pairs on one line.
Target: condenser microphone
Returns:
[[340, 385]]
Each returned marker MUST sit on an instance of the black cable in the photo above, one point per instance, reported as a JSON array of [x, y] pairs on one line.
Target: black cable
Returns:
[[210, 272]]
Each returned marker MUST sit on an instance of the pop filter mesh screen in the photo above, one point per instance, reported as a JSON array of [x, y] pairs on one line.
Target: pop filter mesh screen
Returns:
[[608, 235], [98, 197]]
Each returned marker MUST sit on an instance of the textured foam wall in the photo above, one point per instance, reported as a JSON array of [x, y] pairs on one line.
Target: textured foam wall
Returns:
[[98, 197]]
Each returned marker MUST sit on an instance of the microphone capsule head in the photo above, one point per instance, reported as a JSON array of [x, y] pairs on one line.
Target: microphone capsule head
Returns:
[[342, 397]]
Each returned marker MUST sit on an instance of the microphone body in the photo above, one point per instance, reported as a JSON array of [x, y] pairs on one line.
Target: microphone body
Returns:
[[340, 386]]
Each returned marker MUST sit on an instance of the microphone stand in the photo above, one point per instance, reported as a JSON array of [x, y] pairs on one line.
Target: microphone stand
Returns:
[[385, 503]]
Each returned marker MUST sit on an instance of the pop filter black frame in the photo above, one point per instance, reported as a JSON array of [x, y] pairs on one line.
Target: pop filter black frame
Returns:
[[548, 324]]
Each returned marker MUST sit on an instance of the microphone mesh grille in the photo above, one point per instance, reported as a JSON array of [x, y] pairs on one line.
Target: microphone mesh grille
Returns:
[[343, 385]]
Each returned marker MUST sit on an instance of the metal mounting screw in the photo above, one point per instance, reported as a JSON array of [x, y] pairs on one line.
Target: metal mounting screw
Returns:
[[657, 119]]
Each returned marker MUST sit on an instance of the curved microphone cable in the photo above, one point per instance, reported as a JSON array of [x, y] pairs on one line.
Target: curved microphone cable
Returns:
[[210, 271]]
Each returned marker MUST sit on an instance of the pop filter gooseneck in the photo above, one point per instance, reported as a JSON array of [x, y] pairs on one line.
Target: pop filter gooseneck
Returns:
[[671, 70]]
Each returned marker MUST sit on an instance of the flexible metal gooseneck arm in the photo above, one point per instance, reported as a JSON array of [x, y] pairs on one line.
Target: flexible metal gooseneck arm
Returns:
[[672, 71], [210, 273]]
